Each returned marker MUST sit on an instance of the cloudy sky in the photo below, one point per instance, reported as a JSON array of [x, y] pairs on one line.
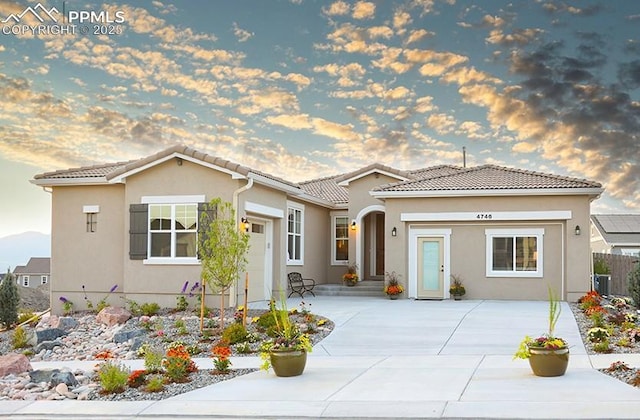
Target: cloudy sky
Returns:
[[305, 88]]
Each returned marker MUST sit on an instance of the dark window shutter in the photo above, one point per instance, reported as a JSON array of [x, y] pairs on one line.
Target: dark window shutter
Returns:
[[138, 222], [206, 213]]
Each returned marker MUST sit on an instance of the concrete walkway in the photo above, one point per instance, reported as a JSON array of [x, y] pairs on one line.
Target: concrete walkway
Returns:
[[395, 359]]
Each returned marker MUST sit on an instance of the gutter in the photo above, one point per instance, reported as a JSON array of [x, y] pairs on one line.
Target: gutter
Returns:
[[233, 297]]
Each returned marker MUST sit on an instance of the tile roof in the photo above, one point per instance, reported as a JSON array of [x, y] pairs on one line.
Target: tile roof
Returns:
[[327, 189], [618, 229], [490, 177], [96, 171], [36, 265]]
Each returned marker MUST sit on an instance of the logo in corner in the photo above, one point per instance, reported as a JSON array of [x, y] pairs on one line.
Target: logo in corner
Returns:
[[38, 11]]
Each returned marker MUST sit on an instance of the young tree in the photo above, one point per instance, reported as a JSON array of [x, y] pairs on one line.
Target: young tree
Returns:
[[9, 300], [223, 247]]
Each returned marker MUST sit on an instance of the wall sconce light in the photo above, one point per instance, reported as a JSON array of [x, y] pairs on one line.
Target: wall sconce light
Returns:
[[353, 224], [244, 224], [394, 232], [577, 230], [179, 161]]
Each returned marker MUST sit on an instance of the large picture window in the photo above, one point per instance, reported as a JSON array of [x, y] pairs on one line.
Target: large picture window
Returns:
[[173, 230], [295, 234], [514, 252], [340, 240]]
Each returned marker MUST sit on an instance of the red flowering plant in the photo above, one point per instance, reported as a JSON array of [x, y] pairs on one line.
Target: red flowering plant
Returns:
[[221, 353], [546, 341], [392, 286], [137, 378]]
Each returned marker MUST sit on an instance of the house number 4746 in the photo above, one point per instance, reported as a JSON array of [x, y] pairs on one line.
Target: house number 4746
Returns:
[[484, 216]]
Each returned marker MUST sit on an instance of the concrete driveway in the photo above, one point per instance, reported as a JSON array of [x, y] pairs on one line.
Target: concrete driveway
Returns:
[[400, 359]]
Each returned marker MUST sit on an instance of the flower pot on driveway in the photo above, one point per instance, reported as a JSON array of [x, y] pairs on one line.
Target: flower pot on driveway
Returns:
[[549, 362], [287, 363]]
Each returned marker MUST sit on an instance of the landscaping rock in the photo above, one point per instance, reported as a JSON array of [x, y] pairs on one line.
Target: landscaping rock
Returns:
[[65, 322], [48, 345], [14, 363], [66, 378], [50, 334], [112, 315], [124, 336], [42, 375]]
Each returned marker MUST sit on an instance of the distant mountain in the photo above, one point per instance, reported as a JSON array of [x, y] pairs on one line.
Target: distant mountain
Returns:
[[17, 249]]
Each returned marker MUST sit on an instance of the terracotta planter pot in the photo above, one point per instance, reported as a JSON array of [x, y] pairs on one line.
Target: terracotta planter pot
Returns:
[[288, 362], [549, 362]]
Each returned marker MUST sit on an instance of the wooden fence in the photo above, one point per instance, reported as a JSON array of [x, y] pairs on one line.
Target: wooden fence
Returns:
[[620, 266]]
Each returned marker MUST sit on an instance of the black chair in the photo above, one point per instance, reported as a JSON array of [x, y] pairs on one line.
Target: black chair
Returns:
[[299, 285]]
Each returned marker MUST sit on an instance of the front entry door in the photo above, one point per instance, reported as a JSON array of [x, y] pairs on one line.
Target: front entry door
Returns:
[[430, 268], [256, 262]]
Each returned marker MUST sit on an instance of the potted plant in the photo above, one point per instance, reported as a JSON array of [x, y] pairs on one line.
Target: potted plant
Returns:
[[456, 289], [392, 287], [350, 278], [287, 351], [548, 355]]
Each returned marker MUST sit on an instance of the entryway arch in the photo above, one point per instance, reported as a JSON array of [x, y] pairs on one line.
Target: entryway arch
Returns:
[[370, 241]]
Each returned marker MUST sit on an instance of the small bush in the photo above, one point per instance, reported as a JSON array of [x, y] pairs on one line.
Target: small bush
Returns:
[[150, 309], [9, 300], [137, 378], [19, 338], [602, 347], [113, 377], [26, 316], [598, 335], [153, 359], [633, 281], [234, 333], [155, 383], [617, 318]]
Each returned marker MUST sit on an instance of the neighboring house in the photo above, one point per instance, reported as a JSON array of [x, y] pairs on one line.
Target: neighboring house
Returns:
[[615, 234], [37, 272], [506, 232]]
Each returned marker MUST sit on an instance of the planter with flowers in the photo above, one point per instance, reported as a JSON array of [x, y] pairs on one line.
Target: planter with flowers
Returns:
[[350, 278], [456, 289], [548, 355], [392, 287], [287, 351]]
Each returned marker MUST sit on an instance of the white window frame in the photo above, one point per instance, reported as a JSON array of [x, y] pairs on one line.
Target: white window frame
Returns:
[[291, 206], [44, 279], [514, 233], [25, 281], [172, 259], [334, 239]]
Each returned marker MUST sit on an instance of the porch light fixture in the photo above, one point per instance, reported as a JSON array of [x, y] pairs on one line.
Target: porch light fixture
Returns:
[[394, 232], [353, 224], [179, 161], [577, 230], [244, 224]]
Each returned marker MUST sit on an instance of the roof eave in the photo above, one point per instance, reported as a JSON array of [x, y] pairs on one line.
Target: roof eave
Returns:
[[345, 182], [494, 192], [57, 182]]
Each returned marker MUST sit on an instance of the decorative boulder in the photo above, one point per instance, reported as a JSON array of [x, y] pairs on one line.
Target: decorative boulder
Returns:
[[48, 345], [112, 315], [66, 378], [50, 334], [124, 336], [64, 322], [14, 363], [42, 375]]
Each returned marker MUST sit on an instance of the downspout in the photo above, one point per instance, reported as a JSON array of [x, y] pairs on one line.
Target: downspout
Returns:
[[233, 297]]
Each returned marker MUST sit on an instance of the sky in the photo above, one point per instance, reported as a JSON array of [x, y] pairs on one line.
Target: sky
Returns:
[[303, 89]]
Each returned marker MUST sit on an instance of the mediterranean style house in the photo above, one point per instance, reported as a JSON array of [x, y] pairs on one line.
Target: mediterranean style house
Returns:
[[506, 233]]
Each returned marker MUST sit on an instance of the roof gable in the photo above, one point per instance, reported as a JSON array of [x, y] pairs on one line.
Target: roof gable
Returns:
[[36, 265], [378, 168]]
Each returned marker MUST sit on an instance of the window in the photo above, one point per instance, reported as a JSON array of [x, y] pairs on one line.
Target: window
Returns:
[[173, 230], [25, 281], [44, 279], [295, 234], [340, 240], [92, 222], [514, 252]]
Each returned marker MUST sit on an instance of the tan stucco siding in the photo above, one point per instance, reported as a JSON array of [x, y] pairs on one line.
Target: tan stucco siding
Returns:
[[566, 256], [317, 234], [81, 258]]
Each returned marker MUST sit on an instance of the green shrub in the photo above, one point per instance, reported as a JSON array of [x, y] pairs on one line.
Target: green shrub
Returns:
[[26, 316], [155, 383], [9, 300], [602, 347], [113, 377], [19, 338], [133, 307], [234, 333], [150, 309], [153, 359], [633, 280]]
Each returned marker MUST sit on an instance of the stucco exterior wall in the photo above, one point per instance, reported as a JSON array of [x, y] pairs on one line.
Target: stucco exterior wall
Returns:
[[81, 258], [566, 256]]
